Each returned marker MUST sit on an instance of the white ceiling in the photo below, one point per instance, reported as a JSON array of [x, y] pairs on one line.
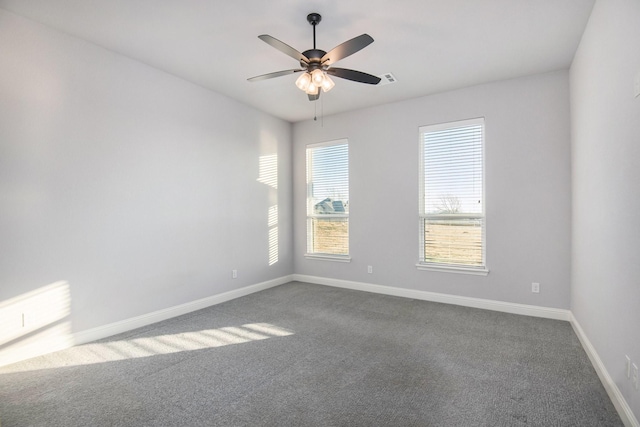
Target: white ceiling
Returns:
[[429, 45]]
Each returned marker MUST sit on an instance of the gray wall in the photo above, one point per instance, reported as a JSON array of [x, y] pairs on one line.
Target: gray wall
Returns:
[[528, 195], [139, 189], [144, 191], [605, 293]]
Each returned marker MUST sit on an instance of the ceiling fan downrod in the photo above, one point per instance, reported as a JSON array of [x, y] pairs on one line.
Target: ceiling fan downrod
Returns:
[[314, 19]]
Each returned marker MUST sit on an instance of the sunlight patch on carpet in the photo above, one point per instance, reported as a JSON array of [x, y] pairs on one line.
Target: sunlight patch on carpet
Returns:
[[112, 351]]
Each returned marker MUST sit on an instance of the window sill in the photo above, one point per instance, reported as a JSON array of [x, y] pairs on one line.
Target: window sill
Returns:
[[327, 257], [453, 269]]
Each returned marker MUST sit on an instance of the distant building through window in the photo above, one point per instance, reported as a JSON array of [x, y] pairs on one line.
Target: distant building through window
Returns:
[[452, 208], [328, 199]]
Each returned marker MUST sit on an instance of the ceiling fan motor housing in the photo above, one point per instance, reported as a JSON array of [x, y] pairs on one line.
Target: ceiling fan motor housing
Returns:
[[314, 55]]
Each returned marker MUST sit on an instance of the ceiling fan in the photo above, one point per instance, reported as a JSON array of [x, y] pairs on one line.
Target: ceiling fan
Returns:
[[317, 64]]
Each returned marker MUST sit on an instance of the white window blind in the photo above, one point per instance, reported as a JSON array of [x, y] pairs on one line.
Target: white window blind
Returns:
[[328, 198], [452, 220]]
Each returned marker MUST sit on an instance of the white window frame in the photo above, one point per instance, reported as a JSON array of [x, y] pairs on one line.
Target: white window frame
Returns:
[[444, 267], [310, 207]]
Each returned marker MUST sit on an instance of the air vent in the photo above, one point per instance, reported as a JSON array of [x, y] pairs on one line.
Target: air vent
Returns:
[[387, 78]]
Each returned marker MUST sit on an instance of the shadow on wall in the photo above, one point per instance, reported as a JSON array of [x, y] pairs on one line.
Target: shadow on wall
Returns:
[[35, 322]]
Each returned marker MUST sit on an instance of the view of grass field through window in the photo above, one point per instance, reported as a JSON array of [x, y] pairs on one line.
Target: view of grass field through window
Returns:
[[452, 194], [453, 242], [330, 235], [328, 198]]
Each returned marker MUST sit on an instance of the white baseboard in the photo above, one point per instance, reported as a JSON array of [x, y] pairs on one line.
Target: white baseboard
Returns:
[[618, 400], [10, 356], [505, 307], [168, 313], [61, 342], [627, 416]]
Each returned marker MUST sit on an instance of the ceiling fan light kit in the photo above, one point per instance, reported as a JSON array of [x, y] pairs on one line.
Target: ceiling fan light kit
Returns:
[[317, 64], [311, 83]]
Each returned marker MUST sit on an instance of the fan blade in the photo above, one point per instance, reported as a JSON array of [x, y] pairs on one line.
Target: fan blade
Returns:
[[347, 48], [284, 48], [272, 75], [356, 76]]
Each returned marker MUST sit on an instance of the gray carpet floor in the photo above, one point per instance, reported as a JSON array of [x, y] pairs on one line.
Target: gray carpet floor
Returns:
[[310, 355]]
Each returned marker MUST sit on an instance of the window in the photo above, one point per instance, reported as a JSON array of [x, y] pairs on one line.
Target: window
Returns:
[[328, 200], [452, 220]]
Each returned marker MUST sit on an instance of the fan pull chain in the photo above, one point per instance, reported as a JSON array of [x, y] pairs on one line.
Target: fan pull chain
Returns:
[[315, 113]]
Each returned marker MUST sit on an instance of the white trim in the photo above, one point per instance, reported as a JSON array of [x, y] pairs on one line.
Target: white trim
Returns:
[[338, 141], [505, 307], [328, 216], [618, 400], [437, 127], [18, 354], [323, 257], [62, 342], [453, 269], [171, 312], [310, 149]]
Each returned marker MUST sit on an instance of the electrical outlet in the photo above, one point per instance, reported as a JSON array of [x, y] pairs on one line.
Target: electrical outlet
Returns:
[[234, 274], [369, 269], [628, 366], [634, 368], [535, 287]]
